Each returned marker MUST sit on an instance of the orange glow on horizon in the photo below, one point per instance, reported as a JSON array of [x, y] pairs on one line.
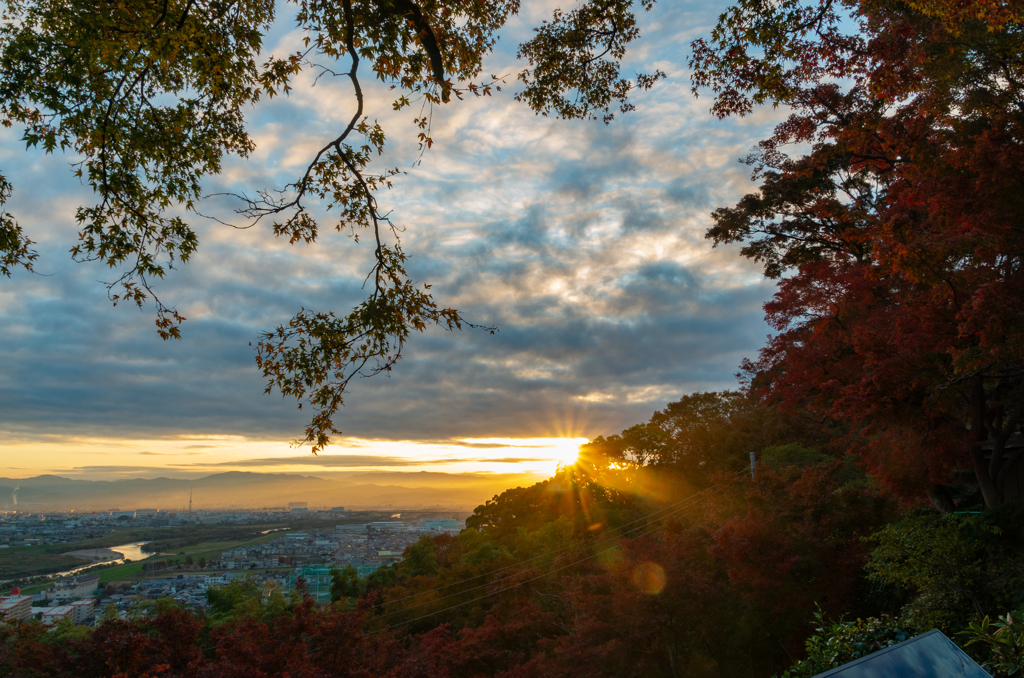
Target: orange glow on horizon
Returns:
[[195, 455]]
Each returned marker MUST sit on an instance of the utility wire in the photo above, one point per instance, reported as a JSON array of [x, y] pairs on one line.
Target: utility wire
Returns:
[[650, 517], [650, 520], [644, 519], [502, 590]]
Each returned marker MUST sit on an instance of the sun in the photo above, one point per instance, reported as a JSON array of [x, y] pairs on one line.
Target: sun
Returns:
[[541, 455], [566, 451]]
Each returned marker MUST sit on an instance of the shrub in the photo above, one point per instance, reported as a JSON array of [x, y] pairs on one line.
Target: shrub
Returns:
[[841, 642]]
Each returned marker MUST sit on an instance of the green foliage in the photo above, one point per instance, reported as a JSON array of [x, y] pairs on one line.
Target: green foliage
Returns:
[[108, 614], [1000, 644], [550, 537], [958, 567], [345, 583], [153, 608], [420, 559], [791, 454], [246, 597], [697, 434], [703, 433], [65, 632], [382, 578], [574, 61], [477, 548], [840, 642], [166, 604], [15, 247]]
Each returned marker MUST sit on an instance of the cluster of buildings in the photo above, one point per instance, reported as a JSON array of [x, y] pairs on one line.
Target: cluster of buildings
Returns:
[[306, 554], [294, 548], [73, 599], [21, 608], [365, 545], [293, 511], [187, 590], [31, 529], [21, 528], [80, 600]]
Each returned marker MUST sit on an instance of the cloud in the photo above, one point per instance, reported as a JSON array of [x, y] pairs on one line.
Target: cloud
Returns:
[[178, 454], [583, 243], [355, 461], [114, 468], [507, 444]]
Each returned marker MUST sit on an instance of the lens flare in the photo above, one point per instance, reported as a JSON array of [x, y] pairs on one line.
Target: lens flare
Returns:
[[649, 577], [567, 450]]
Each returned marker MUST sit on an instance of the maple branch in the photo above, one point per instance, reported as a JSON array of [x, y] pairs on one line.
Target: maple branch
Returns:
[[427, 40]]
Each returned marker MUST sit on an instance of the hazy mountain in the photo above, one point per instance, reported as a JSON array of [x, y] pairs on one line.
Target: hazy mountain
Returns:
[[256, 490], [435, 479]]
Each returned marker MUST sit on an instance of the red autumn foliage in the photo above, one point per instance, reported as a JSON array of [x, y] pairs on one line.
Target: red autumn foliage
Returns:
[[721, 584], [899, 230]]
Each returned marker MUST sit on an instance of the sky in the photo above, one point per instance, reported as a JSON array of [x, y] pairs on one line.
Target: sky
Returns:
[[582, 242]]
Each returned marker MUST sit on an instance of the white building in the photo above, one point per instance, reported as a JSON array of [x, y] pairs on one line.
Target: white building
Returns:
[[52, 615], [71, 589], [82, 609], [16, 607]]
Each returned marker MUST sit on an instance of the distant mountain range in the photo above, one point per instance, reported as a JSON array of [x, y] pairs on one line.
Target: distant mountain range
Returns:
[[236, 489]]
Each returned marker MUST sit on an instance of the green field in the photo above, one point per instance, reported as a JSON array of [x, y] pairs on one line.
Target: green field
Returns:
[[27, 561], [164, 542], [134, 570], [24, 562]]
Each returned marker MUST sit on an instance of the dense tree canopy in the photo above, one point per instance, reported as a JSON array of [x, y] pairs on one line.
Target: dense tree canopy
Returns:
[[897, 236], [610, 568]]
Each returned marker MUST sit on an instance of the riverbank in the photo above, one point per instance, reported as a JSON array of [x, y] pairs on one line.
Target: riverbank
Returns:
[[95, 555]]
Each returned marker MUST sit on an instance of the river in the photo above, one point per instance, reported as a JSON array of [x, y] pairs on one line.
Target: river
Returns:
[[131, 551]]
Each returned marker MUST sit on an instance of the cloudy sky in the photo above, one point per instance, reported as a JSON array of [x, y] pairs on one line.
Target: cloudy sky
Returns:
[[584, 243]]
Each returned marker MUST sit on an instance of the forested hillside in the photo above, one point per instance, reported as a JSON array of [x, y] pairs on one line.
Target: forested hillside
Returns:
[[660, 553]]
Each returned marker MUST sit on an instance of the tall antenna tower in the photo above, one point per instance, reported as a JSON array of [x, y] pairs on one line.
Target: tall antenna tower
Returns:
[[190, 499]]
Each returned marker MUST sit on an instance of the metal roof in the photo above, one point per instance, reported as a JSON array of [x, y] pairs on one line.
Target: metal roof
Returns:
[[929, 655]]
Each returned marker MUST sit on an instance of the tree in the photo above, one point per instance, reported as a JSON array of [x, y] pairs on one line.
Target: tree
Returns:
[[896, 236], [420, 559], [957, 567], [344, 583], [382, 577], [246, 597], [702, 434], [152, 95]]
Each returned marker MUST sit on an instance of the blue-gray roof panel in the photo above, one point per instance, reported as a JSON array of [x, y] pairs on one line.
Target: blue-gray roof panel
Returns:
[[930, 655]]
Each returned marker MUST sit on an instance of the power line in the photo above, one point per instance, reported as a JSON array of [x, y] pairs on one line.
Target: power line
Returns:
[[646, 518], [494, 593], [650, 520]]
